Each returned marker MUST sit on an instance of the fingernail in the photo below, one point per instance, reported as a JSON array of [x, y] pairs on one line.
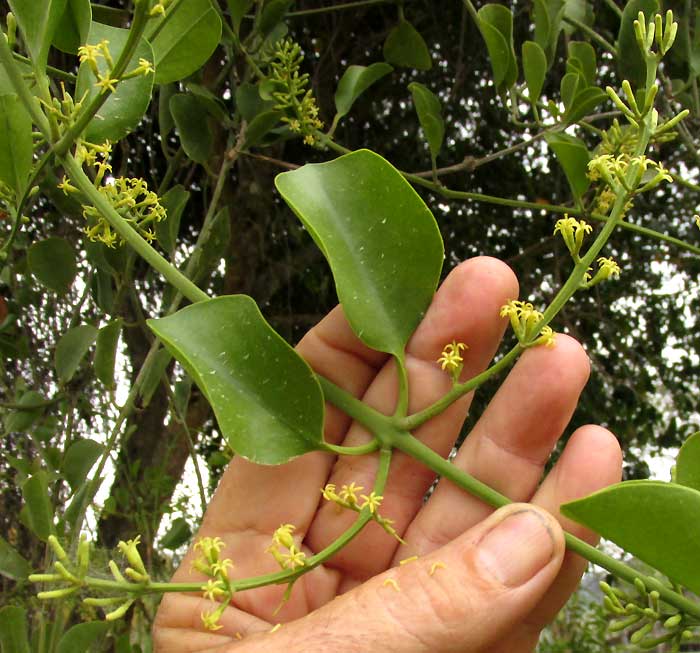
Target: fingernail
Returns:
[[515, 549]]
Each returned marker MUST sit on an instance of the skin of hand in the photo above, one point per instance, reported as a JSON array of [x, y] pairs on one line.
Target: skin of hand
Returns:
[[483, 580]]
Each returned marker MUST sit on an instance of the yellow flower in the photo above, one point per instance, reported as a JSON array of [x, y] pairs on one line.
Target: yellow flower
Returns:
[[283, 536], [348, 493], [213, 589], [525, 321], [211, 620], [294, 559], [372, 501], [572, 231]]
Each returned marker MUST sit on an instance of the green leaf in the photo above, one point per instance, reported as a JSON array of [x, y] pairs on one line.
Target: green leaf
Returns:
[[578, 10], [16, 147], [39, 512], [272, 14], [124, 108], [249, 102], [688, 463], [260, 126], [38, 19], [82, 636], [78, 461], [355, 81], [630, 61], [106, 351], [214, 247], [213, 104], [496, 26], [267, 401], [20, 421], [153, 376], [569, 86], [585, 54], [78, 502], [184, 39], [12, 564], [178, 533], [584, 103], [534, 68], [13, 630], [238, 9], [165, 118], [71, 349], [573, 157], [192, 126], [405, 47], [74, 26], [657, 522], [429, 113], [174, 202], [52, 262], [547, 16], [380, 239]]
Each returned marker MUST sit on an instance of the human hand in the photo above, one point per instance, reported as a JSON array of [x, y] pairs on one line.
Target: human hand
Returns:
[[483, 581]]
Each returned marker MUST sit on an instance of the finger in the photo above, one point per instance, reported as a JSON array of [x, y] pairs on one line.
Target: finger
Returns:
[[466, 308], [510, 443], [464, 597], [178, 627], [591, 461]]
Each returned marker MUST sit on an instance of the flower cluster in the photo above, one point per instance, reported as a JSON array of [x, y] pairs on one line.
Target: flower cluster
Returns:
[[73, 576], [159, 8], [285, 550], [294, 99], [348, 498], [99, 60], [636, 174], [572, 231], [451, 359], [651, 621], [606, 268], [525, 321], [130, 197], [218, 587]]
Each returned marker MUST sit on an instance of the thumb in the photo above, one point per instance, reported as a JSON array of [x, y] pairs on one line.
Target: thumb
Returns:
[[465, 596]]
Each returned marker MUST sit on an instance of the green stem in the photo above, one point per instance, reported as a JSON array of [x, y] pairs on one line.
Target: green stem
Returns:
[[339, 7], [56, 72], [153, 258], [361, 450], [592, 33], [402, 401], [458, 390], [138, 26], [416, 449], [7, 61]]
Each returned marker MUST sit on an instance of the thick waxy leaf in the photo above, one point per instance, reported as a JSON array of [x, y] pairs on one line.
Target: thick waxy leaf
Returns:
[[78, 461], [584, 54], [272, 14], [15, 143], [573, 157], [124, 108], [174, 202], [12, 564], [688, 463], [39, 513], [184, 39], [52, 262], [404, 46], [496, 25], [380, 239], [355, 81], [657, 522], [179, 533], [266, 399], [584, 103], [153, 376], [73, 29], [21, 420], [430, 115], [38, 19], [535, 69], [13, 630], [82, 636], [192, 126], [547, 16], [630, 62], [71, 350], [106, 351], [238, 9], [260, 126]]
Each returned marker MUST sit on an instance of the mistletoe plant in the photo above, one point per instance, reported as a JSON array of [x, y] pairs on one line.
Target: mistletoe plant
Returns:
[[386, 256]]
